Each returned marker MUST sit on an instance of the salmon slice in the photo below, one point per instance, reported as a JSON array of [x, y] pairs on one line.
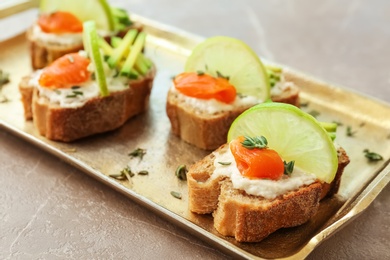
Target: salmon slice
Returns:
[[65, 72], [60, 22], [204, 86], [255, 163]]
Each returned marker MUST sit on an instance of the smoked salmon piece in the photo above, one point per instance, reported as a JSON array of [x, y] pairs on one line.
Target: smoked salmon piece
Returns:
[[204, 86], [60, 22], [254, 163], [65, 72]]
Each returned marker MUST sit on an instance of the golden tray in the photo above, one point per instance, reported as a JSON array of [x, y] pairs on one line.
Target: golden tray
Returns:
[[105, 154]]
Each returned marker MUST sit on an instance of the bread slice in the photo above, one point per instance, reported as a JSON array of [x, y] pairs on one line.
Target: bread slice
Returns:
[[97, 115], [209, 130], [44, 52], [251, 218]]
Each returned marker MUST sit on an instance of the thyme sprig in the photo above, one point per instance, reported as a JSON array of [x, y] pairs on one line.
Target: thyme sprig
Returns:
[[372, 156], [255, 142]]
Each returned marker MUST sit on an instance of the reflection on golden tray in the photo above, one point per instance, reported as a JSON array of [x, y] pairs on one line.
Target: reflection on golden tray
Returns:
[[106, 154]]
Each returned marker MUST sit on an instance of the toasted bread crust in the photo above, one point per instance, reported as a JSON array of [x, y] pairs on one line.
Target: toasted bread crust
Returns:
[[209, 131], [97, 115], [202, 130], [251, 218], [26, 92]]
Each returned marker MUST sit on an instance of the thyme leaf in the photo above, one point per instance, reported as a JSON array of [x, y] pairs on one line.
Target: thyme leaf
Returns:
[[181, 172], [220, 75], [176, 194], [288, 167], [143, 172], [225, 163], [350, 133], [139, 152], [118, 176], [255, 142], [372, 156], [314, 113]]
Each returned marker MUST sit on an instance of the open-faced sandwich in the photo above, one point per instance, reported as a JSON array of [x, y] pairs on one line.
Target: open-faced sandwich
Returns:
[[223, 77], [58, 29], [278, 164], [91, 91]]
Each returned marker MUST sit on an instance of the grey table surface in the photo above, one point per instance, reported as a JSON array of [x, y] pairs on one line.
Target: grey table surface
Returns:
[[50, 210]]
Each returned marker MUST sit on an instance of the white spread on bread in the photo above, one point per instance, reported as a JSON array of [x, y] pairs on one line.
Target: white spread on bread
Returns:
[[61, 38], [268, 189], [213, 106], [65, 97], [282, 86], [56, 39]]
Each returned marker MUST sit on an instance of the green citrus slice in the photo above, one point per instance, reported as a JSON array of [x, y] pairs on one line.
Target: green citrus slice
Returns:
[[294, 134], [96, 10], [229, 57]]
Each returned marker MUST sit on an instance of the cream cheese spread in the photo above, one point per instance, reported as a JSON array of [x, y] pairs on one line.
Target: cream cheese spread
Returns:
[[213, 106], [56, 38], [266, 188], [77, 96]]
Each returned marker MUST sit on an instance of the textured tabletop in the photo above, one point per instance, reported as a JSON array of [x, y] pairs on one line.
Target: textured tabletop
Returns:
[[51, 210]]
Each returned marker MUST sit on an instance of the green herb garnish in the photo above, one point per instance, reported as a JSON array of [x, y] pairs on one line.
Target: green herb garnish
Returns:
[[176, 194], [75, 94], [181, 172], [200, 73], [220, 75], [350, 133], [225, 163], [143, 172], [314, 113], [128, 173], [139, 152], [4, 79], [288, 167], [371, 156], [118, 176], [255, 142]]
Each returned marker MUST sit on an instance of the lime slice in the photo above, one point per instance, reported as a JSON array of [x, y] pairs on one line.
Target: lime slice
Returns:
[[91, 45], [96, 10], [295, 135], [234, 59]]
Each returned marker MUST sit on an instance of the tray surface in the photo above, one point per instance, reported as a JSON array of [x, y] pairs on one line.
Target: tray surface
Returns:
[[107, 154]]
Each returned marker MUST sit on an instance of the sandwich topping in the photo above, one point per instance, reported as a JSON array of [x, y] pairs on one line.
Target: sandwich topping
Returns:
[[69, 82], [203, 86], [258, 171], [60, 22]]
